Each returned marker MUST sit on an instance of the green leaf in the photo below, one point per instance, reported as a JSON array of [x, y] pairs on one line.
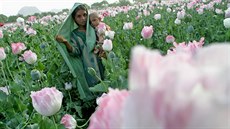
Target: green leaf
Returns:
[[80, 89], [61, 126], [3, 125], [79, 110], [41, 66], [46, 123], [101, 87], [32, 126], [3, 96], [64, 68]]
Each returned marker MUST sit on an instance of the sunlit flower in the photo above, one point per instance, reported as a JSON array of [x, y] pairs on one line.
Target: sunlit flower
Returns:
[[47, 101], [169, 10], [137, 17], [169, 39], [30, 57], [20, 20], [2, 53], [44, 23], [31, 31], [200, 11], [181, 14], [227, 13], [128, 26], [157, 16], [101, 28], [146, 12], [107, 45], [32, 18], [110, 34], [177, 21], [69, 122], [219, 11], [17, 47], [1, 34], [227, 23], [147, 32]]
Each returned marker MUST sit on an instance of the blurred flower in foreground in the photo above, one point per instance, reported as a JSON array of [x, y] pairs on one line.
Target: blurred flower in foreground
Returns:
[[69, 122], [47, 101], [108, 114], [199, 86], [183, 90], [190, 47]]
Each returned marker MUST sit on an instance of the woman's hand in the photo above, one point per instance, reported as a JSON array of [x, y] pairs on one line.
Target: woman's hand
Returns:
[[61, 39]]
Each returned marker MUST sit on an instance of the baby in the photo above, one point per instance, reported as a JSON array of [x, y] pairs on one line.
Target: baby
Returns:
[[100, 28]]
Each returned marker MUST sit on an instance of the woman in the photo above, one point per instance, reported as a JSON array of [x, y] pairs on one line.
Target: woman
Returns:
[[76, 44]]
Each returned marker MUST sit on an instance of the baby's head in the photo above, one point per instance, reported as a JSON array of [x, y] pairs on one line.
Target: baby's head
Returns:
[[94, 19]]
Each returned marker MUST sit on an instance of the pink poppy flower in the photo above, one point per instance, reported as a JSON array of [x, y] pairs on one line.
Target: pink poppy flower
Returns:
[[147, 32]]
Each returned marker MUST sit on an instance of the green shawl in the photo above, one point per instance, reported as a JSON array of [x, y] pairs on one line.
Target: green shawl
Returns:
[[75, 64]]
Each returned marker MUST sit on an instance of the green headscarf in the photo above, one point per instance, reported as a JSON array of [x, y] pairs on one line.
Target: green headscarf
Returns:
[[75, 64], [68, 26]]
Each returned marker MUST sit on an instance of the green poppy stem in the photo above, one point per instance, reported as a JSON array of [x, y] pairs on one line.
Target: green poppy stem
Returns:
[[54, 122], [8, 70], [27, 122], [81, 126], [3, 72], [106, 88]]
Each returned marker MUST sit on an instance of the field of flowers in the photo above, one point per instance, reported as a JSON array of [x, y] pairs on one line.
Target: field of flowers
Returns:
[[167, 66]]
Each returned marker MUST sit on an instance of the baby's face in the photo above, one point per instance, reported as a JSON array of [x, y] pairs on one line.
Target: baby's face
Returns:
[[94, 21]]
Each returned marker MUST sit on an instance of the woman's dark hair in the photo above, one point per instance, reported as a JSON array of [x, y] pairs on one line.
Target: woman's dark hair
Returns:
[[80, 7]]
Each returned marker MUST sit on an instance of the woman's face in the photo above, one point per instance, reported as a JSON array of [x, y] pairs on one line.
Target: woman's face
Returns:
[[81, 17]]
